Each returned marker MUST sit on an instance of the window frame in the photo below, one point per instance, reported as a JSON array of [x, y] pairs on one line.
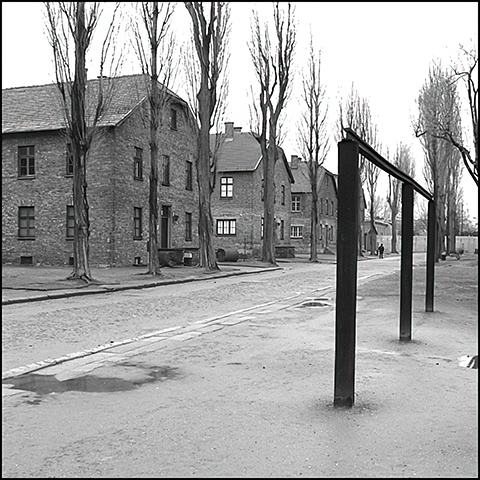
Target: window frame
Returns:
[[226, 187], [30, 220], [188, 175], [296, 204], [230, 222], [138, 164], [173, 119], [137, 223], [69, 227], [166, 170], [69, 161], [188, 226], [283, 194], [300, 230], [29, 161]]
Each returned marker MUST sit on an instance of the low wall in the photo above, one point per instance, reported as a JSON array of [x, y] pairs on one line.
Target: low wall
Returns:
[[468, 244]]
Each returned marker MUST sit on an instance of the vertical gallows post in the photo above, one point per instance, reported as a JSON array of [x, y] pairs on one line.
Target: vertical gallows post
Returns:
[[345, 326], [406, 263], [429, 294]]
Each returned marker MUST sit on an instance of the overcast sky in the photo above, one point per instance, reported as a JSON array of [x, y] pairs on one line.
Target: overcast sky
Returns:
[[384, 49]]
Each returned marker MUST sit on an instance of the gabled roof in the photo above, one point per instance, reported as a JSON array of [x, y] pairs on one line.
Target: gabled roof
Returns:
[[242, 153], [302, 180], [39, 108]]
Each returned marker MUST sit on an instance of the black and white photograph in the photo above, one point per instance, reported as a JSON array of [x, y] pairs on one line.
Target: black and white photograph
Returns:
[[240, 239]]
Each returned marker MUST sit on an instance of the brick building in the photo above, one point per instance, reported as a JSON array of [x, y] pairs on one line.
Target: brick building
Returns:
[[37, 211], [237, 201], [302, 203]]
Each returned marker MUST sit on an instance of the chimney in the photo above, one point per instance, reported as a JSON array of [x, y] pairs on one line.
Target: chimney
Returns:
[[237, 129], [229, 129], [294, 161]]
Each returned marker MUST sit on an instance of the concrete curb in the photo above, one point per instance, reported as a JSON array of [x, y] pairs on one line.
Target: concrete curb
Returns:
[[109, 289]]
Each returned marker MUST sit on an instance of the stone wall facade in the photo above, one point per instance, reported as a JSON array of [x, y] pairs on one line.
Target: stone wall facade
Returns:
[[112, 193], [247, 209], [327, 217]]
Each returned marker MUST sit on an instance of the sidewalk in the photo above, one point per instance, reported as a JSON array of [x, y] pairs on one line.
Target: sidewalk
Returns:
[[34, 283]]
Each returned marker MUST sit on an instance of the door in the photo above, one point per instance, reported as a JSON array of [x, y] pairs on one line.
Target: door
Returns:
[[165, 227]]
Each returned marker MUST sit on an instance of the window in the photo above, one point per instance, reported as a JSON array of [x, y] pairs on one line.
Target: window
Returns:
[[283, 194], [137, 223], [188, 227], [70, 222], [165, 170], [296, 231], [226, 187], [226, 227], [282, 229], [138, 164], [26, 161], [173, 119], [326, 206], [189, 176], [26, 222], [262, 227], [69, 161], [295, 203]]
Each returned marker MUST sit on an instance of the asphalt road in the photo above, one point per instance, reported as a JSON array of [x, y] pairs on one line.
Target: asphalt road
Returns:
[[239, 380]]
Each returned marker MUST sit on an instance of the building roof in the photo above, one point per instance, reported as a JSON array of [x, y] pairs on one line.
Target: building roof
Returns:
[[40, 108], [302, 180], [237, 154], [241, 152]]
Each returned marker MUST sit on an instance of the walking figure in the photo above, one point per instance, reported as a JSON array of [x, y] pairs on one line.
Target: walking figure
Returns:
[[381, 249]]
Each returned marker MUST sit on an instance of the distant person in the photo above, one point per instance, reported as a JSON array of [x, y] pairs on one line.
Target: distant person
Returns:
[[381, 249]]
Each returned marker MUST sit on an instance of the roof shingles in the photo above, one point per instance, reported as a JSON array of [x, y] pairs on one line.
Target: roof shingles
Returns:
[[39, 108]]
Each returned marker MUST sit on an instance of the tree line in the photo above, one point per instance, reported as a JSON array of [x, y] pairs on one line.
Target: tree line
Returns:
[[272, 46]]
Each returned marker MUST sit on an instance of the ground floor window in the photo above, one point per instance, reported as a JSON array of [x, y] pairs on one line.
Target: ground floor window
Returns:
[[26, 222], [137, 223], [296, 231], [226, 227]]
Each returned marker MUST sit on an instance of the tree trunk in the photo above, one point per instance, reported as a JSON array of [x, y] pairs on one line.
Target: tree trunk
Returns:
[[373, 236], [314, 221], [207, 256], [153, 260], [79, 150], [268, 252], [394, 230]]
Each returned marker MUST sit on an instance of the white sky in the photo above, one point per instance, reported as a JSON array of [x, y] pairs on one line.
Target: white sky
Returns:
[[385, 49]]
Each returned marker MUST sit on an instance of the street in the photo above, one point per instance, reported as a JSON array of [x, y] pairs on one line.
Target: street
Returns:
[[234, 377]]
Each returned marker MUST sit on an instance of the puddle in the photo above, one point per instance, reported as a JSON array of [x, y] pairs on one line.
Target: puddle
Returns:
[[46, 384], [469, 361], [315, 302]]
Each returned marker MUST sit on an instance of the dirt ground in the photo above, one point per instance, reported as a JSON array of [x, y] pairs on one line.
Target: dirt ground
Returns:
[[255, 399]]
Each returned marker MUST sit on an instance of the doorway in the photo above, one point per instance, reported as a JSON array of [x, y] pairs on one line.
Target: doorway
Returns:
[[165, 226]]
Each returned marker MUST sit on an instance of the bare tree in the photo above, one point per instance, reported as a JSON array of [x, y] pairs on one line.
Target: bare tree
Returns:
[[210, 37], [70, 29], [467, 70], [438, 105], [154, 45], [273, 68], [356, 115], [313, 136], [404, 161]]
